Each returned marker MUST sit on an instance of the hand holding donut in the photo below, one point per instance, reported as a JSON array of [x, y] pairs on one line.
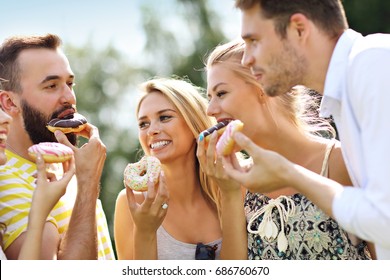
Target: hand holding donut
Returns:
[[149, 215], [138, 174], [89, 159], [211, 164], [71, 123], [49, 190]]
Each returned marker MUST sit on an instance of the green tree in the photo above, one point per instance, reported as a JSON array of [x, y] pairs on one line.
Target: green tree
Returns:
[[103, 92], [106, 81], [368, 16]]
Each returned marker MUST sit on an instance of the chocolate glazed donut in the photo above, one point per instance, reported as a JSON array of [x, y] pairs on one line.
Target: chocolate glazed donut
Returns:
[[70, 123], [220, 127]]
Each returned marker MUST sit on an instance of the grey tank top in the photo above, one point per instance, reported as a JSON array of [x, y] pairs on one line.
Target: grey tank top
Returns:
[[168, 248]]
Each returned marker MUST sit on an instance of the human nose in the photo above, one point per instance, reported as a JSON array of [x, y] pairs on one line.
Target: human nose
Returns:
[[154, 128], [68, 96], [212, 108], [247, 58]]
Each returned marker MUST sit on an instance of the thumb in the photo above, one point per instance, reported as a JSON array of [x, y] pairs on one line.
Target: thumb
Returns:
[[246, 144], [61, 138], [236, 174]]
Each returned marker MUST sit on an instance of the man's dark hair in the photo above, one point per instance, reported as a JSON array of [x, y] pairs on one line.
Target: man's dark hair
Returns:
[[9, 53], [328, 15]]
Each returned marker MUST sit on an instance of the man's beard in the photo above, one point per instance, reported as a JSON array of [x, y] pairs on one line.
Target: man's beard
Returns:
[[35, 125]]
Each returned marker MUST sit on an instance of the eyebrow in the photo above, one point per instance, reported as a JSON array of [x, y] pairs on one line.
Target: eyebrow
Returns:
[[158, 113], [217, 85], [54, 77]]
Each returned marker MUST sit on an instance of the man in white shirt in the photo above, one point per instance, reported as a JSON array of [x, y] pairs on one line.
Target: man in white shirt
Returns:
[[308, 42]]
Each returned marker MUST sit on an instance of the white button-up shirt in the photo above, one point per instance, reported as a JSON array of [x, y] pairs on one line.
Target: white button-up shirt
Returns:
[[357, 95]]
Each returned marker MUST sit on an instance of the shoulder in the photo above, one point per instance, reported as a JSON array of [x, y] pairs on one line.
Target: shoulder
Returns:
[[372, 42]]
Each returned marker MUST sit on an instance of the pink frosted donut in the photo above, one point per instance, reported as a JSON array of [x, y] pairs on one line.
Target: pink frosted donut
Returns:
[[51, 152], [137, 175], [225, 143]]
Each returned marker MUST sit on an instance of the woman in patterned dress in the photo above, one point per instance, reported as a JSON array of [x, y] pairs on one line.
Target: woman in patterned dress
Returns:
[[283, 224]]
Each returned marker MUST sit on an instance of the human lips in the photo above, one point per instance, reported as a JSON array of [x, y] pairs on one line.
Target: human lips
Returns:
[[3, 138], [225, 120], [257, 73], [257, 76], [159, 144]]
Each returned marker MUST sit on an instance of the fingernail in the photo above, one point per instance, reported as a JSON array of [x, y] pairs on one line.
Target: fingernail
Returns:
[[201, 137], [57, 133]]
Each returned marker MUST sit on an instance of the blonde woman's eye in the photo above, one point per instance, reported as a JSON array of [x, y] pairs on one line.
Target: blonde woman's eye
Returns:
[[165, 118], [142, 125], [221, 93]]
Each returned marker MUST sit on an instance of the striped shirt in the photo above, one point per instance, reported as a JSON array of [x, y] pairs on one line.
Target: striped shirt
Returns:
[[17, 184]]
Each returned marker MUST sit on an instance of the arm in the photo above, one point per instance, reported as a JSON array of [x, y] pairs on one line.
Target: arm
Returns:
[[80, 240], [123, 228], [137, 220], [367, 210], [45, 196], [234, 234], [48, 250], [264, 177]]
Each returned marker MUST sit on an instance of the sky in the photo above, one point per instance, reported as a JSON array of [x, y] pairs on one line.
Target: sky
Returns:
[[104, 22]]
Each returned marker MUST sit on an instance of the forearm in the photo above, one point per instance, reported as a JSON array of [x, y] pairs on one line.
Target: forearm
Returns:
[[145, 245], [31, 248], [320, 190], [80, 240], [234, 234]]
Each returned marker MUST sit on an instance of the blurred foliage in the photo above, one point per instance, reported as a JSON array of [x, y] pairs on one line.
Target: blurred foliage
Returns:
[[106, 82], [176, 43], [368, 16]]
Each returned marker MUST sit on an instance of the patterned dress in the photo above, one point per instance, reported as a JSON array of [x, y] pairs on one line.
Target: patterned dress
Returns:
[[292, 227]]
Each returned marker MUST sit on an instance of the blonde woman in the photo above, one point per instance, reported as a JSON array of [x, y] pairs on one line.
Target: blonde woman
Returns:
[[282, 224], [171, 113]]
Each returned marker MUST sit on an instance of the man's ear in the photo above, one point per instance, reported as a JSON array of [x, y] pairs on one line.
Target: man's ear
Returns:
[[300, 25], [7, 101]]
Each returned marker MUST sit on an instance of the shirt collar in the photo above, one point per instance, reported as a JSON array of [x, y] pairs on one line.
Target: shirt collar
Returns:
[[336, 74], [337, 71]]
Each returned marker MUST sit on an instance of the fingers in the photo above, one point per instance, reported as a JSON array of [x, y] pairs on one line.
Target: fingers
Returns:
[[200, 153], [232, 172], [69, 164], [157, 194], [90, 132], [163, 194], [71, 169], [246, 144], [131, 199], [61, 138], [41, 168], [210, 153]]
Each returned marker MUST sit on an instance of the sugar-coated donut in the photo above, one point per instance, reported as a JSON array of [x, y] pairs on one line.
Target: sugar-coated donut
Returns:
[[220, 127], [137, 175], [70, 123], [225, 143], [51, 152]]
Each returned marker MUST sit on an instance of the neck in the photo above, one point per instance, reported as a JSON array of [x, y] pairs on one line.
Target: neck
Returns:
[[182, 189]]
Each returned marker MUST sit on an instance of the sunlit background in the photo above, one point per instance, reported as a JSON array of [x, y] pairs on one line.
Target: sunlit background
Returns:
[[115, 45]]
